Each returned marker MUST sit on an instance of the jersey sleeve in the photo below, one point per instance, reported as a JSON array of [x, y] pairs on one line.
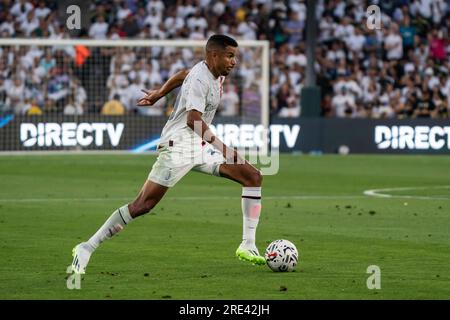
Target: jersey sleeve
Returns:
[[196, 95]]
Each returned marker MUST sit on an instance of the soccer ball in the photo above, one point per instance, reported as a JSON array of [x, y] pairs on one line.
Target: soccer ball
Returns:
[[281, 255]]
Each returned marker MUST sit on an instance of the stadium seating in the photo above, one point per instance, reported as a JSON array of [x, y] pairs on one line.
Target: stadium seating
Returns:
[[398, 71]]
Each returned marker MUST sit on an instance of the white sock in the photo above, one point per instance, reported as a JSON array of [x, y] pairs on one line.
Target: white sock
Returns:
[[251, 209], [115, 223]]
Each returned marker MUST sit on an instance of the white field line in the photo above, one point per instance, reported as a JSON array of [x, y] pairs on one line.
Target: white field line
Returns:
[[376, 193], [384, 193], [294, 197]]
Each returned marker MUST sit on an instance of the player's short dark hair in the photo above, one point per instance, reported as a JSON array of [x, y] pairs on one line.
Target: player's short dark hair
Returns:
[[220, 41]]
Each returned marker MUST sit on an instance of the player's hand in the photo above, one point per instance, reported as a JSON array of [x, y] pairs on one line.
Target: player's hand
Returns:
[[151, 96]]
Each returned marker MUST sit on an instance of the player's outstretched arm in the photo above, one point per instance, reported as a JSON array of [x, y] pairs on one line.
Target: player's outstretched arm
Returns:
[[200, 127], [151, 96]]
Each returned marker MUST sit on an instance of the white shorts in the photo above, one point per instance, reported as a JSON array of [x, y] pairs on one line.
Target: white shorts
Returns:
[[175, 161]]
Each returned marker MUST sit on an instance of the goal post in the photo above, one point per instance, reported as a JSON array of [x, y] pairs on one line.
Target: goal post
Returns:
[[61, 131]]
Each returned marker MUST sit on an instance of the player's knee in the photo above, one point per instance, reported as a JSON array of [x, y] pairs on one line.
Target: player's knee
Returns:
[[255, 178]]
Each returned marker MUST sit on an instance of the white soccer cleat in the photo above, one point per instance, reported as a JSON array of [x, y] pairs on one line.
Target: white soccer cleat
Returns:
[[81, 256]]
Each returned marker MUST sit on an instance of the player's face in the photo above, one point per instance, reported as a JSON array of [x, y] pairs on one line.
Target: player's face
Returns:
[[226, 60]]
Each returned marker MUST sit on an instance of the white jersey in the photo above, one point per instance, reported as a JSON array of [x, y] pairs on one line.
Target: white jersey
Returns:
[[200, 91]]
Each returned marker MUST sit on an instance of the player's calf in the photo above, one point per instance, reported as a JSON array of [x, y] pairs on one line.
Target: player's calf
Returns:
[[147, 198], [251, 179], [140, 207]]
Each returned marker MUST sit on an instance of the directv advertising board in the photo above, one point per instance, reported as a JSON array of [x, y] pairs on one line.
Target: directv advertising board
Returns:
[[139, 134]]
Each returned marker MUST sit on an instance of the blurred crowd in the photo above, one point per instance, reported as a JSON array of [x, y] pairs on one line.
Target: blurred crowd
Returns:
[[400, 70]]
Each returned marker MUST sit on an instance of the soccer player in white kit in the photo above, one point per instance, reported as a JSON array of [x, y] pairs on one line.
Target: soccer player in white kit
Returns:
[[188, 144]]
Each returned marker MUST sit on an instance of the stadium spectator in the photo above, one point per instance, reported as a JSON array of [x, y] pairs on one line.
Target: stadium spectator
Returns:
[[49, 106], [99, 29], [297, 56], [408, 33], [113, 107], [355, 44], [153, 20], [438, 45], [20, 9], [7, 26], [133, 93], [130, 26], [251, 99], [16, 95], [343, 104], [29, 24], [42, 11], [293, 107], [197, 21], [229, 103], [293, 27], [393, 43], [123, 11], [172, 22], [246, 30], [78, 92], [32, 108], [156, 5], [47, 63], [282, 98], [58, 85], [140, 16]]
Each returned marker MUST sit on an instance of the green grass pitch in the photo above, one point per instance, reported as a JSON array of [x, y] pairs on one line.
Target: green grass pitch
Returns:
[[185, 248]]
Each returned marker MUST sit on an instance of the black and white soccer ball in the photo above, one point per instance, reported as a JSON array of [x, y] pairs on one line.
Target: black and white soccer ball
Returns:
[[281, 256]]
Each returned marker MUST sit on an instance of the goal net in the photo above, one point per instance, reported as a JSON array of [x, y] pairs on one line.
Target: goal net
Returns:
[[67, 94]]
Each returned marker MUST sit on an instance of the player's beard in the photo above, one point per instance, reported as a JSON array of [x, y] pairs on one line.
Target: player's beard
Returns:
[[226, 71]]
